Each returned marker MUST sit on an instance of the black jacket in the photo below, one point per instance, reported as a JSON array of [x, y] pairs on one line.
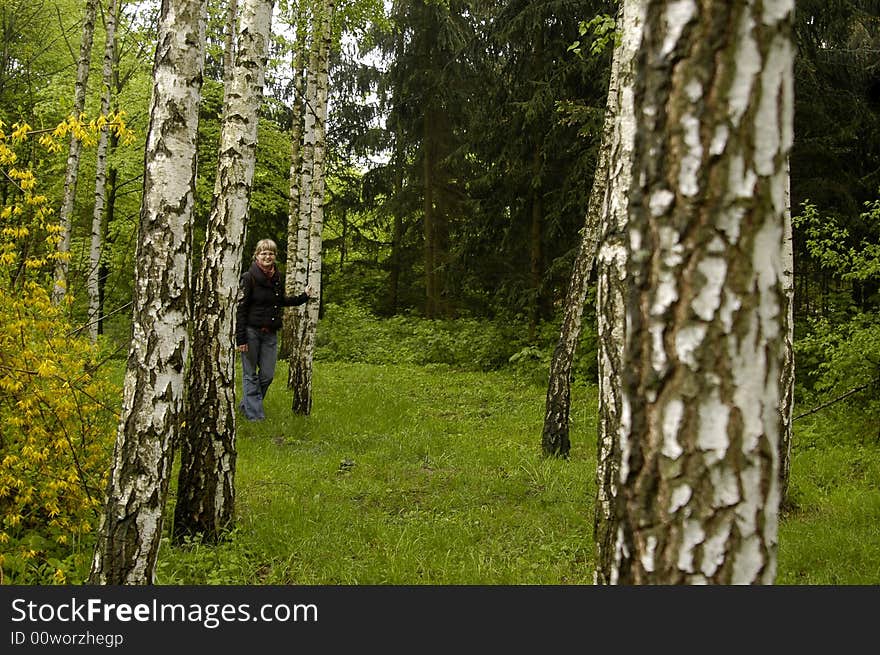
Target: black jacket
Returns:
[[260, 302]]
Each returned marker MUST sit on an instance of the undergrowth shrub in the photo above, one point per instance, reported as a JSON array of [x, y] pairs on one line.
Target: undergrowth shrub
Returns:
[[843, 361], [352, 333], [56, 437], [838, 356], [57, 413]]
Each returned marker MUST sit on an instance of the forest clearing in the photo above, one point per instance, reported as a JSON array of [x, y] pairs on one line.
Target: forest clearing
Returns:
[[575, 292]]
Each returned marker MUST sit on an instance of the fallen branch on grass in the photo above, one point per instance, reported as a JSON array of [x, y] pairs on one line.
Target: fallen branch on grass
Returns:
[[839, 398]]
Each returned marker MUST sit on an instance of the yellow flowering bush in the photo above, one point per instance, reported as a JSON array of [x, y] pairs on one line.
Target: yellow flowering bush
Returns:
[[58, 413]]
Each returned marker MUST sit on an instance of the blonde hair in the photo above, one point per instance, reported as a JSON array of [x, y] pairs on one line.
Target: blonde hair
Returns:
[[265, 244]]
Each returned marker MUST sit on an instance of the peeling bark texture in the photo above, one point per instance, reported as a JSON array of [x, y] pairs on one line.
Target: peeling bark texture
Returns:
[[706, 299], [152, 410], [303, 355], [98, 222], [555, 436], [611, 283], [297, 317], [295, 276], [206, 481], [786, 407], [75, 148]]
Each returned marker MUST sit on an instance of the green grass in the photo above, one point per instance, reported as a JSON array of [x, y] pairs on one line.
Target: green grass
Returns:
[[405, 475], [424, 475], [832, 535]]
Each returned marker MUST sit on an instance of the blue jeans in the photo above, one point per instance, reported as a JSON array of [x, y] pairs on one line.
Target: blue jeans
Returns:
[[258, 369]]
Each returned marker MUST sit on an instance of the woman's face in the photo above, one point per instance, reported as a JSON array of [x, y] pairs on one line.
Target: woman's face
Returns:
[[266, 257]]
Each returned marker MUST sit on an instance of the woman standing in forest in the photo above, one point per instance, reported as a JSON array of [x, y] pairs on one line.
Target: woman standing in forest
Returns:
[[258, 317]]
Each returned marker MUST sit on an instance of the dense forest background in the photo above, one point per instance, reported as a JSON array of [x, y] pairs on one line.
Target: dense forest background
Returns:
[[462, 139], [489, 108]]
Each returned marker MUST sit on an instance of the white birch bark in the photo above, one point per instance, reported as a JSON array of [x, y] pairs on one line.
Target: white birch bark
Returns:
[[611, 282], [74, 149], [555, 435], [302, 354], [786, 407], [298, 259], [152, 409], [97, 237], [297, 230], [206, 483], [705, 303]]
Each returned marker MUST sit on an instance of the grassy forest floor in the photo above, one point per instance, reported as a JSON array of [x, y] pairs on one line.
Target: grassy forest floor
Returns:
[[427, 475]]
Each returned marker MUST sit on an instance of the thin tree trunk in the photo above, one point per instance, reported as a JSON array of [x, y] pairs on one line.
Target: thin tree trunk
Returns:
[[109, 217], [297, 318], [611, 282], [706, 300], [786, 408], [73, 153], [302, 388], [396, 238], [152, 409], [557, 407], [536, 254], [229, 45], [98, 219], [297, 232], [428, 168], [206, 482]]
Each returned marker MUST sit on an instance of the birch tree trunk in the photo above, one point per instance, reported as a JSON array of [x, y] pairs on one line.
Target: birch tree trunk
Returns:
[[206, 481], [300, 264], [152, 409], [611, 284], [297, 230], [706, 302], [786, 408], [557, 407], [98, 222], [302, 386], [73, 152]]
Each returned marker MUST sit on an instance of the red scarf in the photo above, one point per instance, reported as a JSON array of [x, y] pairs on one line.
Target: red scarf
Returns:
[[268, 272]]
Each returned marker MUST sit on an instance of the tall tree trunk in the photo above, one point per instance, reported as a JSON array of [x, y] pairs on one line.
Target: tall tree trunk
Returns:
[[73, 152], [229, 45], [536, 250], [297, 233], [109, 217], [429, 210], [398, 162], [557, 407], [786, 408], [706, 302], [396, 238], [611, 283], [206, 482], [297, 317], [302, 388], [536, 204], [152, 409], [98, 219]]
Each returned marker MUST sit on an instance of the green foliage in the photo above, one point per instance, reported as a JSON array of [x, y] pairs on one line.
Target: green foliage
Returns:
[[841, 352], [603, 29], [58, 421], [210, 564], [351, 333], [845, 255], [837, 359], [57, 416]]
